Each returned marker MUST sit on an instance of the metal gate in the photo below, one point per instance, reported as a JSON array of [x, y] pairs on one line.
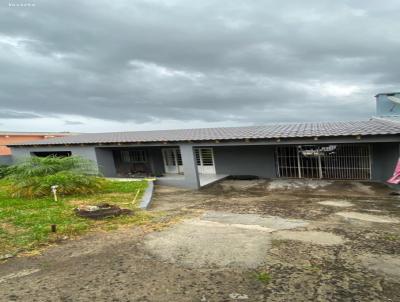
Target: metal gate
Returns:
[[344, 161]]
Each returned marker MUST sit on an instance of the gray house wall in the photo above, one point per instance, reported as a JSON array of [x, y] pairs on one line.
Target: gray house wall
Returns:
[[5, 160], [245, 160], [88, 152], [105, 161], [156, 160], [255, 160], [384, 159]]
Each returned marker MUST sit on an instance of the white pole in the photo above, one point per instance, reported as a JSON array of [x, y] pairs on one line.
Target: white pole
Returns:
[[54, 190]]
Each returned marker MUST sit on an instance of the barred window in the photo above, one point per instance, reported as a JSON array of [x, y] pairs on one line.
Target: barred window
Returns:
[[135, 156]]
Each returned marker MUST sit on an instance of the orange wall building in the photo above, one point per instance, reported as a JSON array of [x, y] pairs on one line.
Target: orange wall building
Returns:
[[14, 137]]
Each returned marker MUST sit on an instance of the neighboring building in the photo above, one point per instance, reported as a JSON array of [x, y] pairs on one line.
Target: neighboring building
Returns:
[[7, 138], [355, 150]]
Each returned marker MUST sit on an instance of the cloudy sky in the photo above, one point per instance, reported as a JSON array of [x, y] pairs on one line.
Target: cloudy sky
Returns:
[[99, 65]]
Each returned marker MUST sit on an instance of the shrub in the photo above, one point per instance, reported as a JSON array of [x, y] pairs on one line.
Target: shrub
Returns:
[[34, 177], [3, 171]]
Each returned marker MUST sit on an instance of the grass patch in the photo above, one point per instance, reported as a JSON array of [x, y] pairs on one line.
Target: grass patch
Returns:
[[26, 223], [263, 277], [312, 268], [391, 237]]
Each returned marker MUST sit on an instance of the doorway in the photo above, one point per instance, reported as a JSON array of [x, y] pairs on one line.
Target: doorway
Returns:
[[172, 161]]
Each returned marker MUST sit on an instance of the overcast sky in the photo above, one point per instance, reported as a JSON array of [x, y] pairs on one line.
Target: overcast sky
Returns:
[[96, 66]]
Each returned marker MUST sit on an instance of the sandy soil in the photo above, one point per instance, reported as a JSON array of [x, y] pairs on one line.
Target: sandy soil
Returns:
[[228, 239]]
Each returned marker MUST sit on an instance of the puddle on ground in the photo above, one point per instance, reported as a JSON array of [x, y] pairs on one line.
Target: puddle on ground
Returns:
[[386, 264], [337, 203], [368, 217], [314, 237]]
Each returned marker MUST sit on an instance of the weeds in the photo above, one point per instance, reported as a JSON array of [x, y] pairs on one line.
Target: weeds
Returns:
[[263, 277]]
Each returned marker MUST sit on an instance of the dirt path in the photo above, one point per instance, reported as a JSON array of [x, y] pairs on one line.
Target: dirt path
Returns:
[[322, 256]]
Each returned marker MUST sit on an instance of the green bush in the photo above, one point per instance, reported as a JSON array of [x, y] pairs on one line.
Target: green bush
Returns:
[[34, 177], [3, 171]]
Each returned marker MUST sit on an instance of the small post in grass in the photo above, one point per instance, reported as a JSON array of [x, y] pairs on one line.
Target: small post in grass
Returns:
[[54, 228], [54, 191]]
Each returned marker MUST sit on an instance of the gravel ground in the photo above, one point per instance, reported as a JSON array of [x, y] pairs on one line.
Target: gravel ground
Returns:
[[229, 247]]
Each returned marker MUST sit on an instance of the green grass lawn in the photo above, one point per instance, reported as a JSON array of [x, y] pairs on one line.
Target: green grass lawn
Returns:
[[25, 224]]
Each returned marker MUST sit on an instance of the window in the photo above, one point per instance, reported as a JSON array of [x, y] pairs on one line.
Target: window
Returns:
[[53, 153], [342, 161], [205, 160], [134, 156]]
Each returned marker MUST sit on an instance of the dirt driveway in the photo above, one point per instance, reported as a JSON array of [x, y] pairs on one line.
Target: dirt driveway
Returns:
[[235, 241]]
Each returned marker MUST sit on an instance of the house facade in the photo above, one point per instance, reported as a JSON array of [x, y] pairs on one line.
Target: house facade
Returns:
[[17, 137], [356, 150]]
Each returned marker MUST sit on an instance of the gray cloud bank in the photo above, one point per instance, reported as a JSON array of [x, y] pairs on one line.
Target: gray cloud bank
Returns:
[[209, 61]]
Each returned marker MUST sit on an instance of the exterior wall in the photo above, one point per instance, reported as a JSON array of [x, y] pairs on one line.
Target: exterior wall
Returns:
[[385, 107], [190, 172], [105, 161], [10, 139], [384, 159], [255, 160], [5, 159], [86, 152], [245, 160], [156, 161]]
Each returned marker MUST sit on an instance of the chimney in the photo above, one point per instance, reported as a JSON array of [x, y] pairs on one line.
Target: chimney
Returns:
[[388, 105]]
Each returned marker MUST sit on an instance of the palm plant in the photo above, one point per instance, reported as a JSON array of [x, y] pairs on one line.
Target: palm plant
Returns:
[[34, 176]]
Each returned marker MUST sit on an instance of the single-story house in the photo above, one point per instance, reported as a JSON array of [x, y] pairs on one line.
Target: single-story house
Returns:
[[7, 137], [353, 150]]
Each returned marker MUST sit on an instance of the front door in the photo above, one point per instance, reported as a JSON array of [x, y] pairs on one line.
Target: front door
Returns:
[[205, 160], [172, 160]]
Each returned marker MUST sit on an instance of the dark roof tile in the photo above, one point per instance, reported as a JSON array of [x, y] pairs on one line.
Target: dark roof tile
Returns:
[[374, 126]]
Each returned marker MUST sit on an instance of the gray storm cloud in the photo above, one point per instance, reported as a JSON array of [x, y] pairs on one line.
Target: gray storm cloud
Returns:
[[209, 61]]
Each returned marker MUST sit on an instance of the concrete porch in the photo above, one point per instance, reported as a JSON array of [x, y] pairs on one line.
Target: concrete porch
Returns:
[[178, 180]]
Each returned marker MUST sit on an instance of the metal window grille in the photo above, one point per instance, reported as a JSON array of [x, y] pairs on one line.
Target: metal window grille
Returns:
[[179, 157], [135, 156], [342, 161], [172, 156], [204, 156]]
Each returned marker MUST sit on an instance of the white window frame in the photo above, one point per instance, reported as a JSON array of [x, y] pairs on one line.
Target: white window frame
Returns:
[[203, 157]]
